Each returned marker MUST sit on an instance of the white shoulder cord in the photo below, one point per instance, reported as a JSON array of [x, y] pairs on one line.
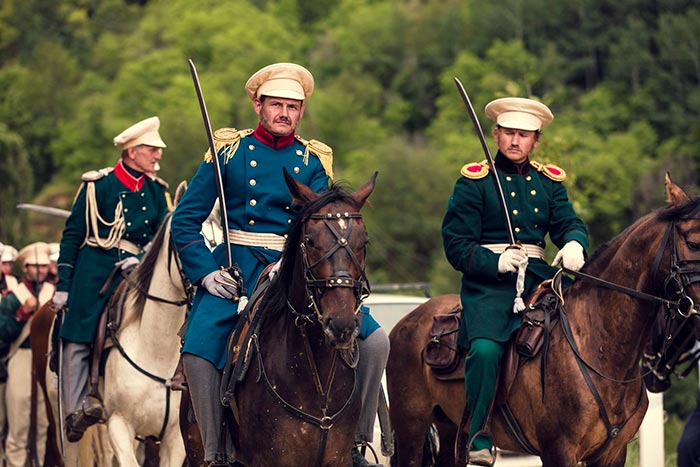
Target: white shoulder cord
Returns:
[[92, 217]]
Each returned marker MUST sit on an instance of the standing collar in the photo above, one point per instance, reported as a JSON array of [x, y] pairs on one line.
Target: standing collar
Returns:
[[127, 177], [275, 142], [505, 165]]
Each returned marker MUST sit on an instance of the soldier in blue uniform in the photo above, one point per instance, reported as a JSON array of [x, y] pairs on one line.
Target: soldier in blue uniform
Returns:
[[476, 244], [116, 212], [259, 215]]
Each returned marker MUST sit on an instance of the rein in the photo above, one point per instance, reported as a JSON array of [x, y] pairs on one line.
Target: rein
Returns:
[[680, 270], [186, 284], [314, 289], [113, 327]]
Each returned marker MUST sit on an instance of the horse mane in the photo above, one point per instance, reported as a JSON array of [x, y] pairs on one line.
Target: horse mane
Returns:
[[140, 279], [275, 301], [668, 213]]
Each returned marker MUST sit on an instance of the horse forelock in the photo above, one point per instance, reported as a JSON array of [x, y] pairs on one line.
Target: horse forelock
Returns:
[[686, 211], [275, 301]]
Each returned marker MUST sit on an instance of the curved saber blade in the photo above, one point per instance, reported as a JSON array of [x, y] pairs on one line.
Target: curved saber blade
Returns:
[[215, 159], [489, 159], [44, 209]]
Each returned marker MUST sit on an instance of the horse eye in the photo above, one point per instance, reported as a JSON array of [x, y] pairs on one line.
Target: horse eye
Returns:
[[694, 246], [309, 242]]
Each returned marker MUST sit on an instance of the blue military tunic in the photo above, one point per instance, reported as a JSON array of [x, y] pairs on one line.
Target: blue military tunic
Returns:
[[537, 205], [258, 201], [82, 268]]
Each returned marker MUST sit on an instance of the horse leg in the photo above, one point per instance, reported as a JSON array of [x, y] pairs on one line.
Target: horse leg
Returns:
[[447, 432], [121, 436], [172, 448]]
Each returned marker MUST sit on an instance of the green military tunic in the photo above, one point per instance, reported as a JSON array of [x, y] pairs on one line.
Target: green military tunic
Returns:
[[83, 268], [537, 204]]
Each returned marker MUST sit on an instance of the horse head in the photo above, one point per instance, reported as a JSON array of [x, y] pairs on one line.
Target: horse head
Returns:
[[324, 261], [675, 331]]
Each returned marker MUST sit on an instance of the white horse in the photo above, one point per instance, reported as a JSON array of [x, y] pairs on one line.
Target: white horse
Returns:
[[136, 383], [145, 351]]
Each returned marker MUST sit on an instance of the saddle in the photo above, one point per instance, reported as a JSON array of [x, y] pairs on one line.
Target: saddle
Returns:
[[446, 359]]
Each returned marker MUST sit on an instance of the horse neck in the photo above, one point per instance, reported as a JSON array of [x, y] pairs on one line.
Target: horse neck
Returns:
[[611, 322], [160, 322]]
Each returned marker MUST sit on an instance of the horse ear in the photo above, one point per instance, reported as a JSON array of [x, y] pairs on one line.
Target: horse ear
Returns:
[[675, 194], [301, 194], [180, 191], [361, 194]]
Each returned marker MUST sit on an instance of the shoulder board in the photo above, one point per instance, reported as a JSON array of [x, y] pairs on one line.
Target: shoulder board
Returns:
[[161, 182], [226, 139], [320, 150], [550, 171], [475, 170], [94, 175]]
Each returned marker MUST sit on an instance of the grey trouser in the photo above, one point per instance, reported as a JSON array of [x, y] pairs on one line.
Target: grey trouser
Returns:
[[204, 382], [75, 375], [374, 352]]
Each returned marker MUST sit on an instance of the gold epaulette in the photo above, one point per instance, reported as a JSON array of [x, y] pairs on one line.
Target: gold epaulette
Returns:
[[320, 150], [94, 175], [475, 170], [226, 142], [550, 171], [161, 182]]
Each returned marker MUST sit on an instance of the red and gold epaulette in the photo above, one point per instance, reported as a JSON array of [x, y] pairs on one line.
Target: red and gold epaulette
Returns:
[[475, 170], [550, 171]]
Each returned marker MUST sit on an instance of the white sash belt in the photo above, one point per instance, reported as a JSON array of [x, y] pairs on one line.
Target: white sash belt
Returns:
[[125, 245], [533, 251], [265, 240]]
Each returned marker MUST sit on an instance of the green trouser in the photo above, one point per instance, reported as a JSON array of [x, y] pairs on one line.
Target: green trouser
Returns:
[[480, 373]]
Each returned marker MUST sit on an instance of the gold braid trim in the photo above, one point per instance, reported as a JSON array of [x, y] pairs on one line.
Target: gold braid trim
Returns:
[[226, 143], [320, 150]]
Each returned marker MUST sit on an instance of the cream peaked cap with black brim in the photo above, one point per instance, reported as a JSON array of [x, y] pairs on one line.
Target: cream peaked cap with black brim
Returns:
[[143, 132], [519, 113], [286, 80]]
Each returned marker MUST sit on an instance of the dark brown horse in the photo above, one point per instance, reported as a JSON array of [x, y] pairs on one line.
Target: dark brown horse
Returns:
[[608, 329], [298, 404]]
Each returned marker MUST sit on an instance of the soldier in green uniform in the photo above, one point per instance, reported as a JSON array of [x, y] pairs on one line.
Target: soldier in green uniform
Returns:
[[476, 243], [116, 212]]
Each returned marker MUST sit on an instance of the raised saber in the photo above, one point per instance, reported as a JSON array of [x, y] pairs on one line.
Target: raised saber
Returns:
[[489, 159], [58, 212], [215, 159]]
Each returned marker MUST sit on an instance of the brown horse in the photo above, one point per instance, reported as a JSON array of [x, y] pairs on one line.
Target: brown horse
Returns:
[[595, 397], [298, 404]]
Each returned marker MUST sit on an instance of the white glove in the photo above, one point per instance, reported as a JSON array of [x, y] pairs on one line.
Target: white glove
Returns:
[[127, 263], [59, 300], [571, 256], [220, 284], [510, 259]]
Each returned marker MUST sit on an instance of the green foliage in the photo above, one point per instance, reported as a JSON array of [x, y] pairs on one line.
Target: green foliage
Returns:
[[623, 89]]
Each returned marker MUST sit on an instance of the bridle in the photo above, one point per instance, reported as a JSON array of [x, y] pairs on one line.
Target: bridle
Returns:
[[682, 274], [113, 327], [314, 289], [314, 286], [184, 281]]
